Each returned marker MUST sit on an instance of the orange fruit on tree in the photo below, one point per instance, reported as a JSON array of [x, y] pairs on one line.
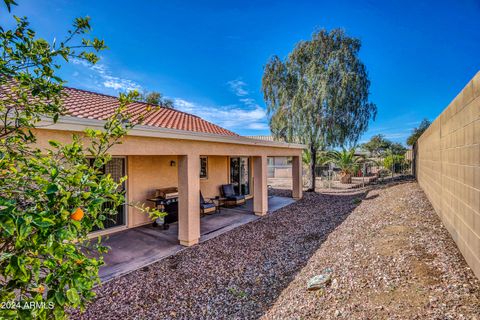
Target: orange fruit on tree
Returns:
[[40, 289], [77, 215]]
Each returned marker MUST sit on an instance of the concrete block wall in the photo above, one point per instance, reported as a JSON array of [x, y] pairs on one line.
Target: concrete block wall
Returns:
[[448, 170]]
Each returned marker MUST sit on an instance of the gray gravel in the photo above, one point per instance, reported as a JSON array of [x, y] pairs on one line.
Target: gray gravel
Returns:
[[390, 257]]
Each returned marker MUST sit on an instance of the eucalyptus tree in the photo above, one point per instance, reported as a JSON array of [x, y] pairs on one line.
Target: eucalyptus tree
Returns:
[[318, 95]]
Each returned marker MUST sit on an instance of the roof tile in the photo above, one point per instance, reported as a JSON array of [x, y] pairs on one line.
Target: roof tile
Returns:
[[91, 105]]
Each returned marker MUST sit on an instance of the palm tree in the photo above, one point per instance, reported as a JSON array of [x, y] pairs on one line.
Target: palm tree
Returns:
[[347, 162]]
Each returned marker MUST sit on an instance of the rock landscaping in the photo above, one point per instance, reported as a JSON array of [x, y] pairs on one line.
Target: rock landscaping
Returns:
[[384, 253]]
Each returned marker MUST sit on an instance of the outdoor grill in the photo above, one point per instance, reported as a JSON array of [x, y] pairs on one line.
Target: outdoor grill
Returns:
[[167, 193], [166, 199]]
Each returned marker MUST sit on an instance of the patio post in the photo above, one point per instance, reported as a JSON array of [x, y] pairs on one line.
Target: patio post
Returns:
[[297, 177], [188, 199], [260, 191]]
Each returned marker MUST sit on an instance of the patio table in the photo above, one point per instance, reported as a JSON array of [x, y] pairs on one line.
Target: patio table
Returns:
[[219, 202]]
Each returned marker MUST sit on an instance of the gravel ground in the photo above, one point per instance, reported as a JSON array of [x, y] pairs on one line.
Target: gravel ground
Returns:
[[390, 256], [391, 259]]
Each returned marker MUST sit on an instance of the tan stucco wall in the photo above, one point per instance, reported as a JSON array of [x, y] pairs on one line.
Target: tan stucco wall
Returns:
[[145, 175], [217, 175], [448, 170], [148, 173]]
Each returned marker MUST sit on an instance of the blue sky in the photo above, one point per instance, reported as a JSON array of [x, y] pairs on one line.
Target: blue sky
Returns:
[[208, 56]]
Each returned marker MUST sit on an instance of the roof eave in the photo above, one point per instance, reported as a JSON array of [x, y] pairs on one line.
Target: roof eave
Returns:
[[76, 124]]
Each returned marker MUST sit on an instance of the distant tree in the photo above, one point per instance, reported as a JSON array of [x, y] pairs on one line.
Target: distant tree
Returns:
[[397, 148], [378, 146], [417, 132], [318, 95], [157, 99], [168, 103], [152, 97]]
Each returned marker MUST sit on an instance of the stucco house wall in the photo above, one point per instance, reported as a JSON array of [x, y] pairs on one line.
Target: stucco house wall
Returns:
[[149, 173], [149, 154]]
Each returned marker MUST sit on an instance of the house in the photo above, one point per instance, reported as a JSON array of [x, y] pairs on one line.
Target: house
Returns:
[[278, 167], [175, 149]]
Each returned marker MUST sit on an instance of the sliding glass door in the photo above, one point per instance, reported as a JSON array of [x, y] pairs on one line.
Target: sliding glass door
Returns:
[[240, 174]]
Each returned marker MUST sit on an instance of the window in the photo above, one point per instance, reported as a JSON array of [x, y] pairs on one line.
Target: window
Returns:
[[203, 167]]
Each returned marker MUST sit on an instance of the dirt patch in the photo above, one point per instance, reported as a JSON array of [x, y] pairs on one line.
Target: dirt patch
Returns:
[[391, 240]]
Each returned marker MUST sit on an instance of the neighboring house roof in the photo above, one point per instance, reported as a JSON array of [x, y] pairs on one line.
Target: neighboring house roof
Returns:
[[264, 138], [91, 105]]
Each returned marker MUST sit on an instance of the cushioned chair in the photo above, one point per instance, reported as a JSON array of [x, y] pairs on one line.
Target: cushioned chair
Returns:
[[232, 198], [206, 207]]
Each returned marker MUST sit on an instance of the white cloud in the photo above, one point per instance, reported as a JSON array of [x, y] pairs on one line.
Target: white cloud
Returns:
[[238, 87], [249, 102], [247, 114], [258, 126], [102, 76], [120, 84], [230, 117]]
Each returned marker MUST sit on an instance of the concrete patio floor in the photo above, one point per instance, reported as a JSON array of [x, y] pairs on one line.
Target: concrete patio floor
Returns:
[[138, 247]]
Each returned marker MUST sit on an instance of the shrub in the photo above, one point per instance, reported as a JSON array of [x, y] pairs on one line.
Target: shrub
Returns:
[[394, 162]]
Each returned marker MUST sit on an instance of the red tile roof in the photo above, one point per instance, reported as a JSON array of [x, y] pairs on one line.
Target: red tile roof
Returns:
[[91, 105]]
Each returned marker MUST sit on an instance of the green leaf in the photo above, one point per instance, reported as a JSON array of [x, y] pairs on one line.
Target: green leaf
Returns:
[[60, 297], [5, 256], [51, 189], [43, 222], [54, 143], [24, 230], [9, 3], [72, 296], [7, 224]]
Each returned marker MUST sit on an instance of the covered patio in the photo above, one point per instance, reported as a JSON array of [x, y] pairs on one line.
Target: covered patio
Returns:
[[139, 247]]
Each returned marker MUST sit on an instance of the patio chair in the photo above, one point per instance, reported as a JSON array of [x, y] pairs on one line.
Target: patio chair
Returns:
[[206, 207], [232, 199]]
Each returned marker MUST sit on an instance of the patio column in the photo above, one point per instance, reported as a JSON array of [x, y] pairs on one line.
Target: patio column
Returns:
[[260, 191], [297, 176], [188, 199]]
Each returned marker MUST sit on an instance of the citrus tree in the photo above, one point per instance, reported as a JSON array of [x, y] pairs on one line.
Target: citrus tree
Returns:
[[50, 199]]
